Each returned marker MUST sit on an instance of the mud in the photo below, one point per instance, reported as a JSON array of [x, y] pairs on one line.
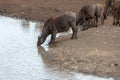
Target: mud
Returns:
[[40, 10], [95, 51]]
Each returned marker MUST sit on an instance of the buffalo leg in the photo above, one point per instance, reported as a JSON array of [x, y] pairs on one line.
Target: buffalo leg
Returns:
[[102, 20], [117, 21], [114, 21], [95, 22], [53, 36], [84, 24], [74, 29]]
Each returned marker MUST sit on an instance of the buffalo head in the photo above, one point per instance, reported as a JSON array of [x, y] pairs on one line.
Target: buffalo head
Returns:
[[45, 32]]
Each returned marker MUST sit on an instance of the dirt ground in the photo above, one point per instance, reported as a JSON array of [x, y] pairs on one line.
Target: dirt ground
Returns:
[[40, 9], [96, 51]]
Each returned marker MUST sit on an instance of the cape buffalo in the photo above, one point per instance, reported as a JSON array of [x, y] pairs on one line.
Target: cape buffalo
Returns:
[[58, 24], [108, 6], [91, 12], [116, 13]]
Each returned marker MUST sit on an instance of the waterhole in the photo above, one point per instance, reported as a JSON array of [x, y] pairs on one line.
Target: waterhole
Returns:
[[20, 58]]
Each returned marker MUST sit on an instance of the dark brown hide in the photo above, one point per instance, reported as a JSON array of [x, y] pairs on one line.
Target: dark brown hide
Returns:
[[58, 24], [116, 13], [91, 12], [108, 6]]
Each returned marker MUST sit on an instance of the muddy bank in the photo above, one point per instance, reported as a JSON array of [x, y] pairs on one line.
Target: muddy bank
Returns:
[[96, 51]]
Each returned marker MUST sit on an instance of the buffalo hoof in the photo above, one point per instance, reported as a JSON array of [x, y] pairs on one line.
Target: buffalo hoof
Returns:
[[83, 29], [96, 26], [117, 23], [113, 23], [52, 44], [73, 37]]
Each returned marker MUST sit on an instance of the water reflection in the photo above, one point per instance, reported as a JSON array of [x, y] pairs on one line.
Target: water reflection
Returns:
[[39, 25], [25, 24], [20, 59]]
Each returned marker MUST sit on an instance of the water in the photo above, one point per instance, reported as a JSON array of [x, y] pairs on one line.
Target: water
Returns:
[[20, 58]]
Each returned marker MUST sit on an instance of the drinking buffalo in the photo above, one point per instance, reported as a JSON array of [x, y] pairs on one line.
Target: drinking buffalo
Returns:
[[108, 5], [58, 24], [116, 13], [91, 12]]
